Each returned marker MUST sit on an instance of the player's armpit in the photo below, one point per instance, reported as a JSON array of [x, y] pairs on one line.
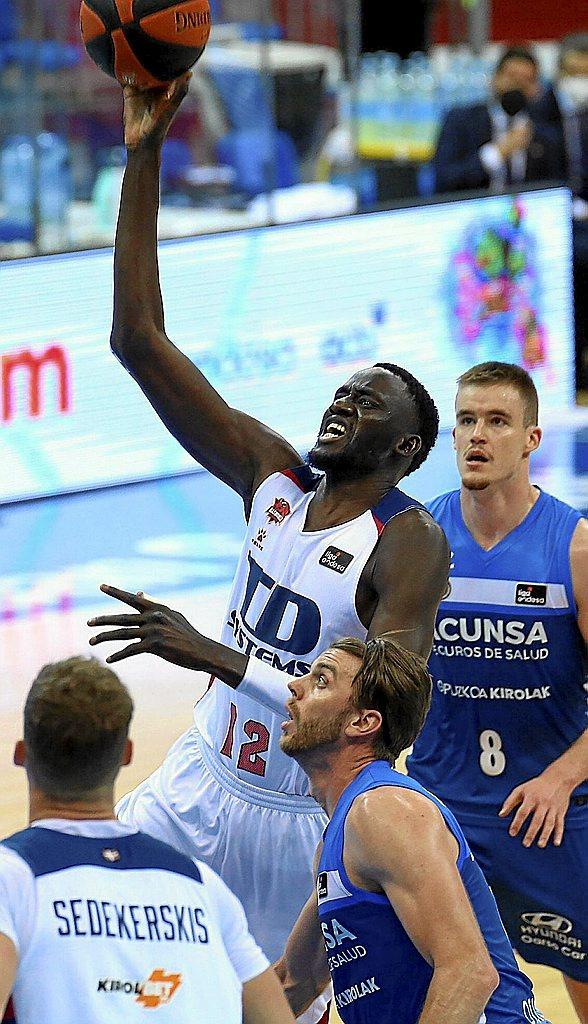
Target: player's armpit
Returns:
[[303, 969], [264, 1001], [397, 842], [410, 577], [8, 966]]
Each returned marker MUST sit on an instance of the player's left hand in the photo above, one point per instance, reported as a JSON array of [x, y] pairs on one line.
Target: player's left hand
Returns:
[[158, 629], [546, 798]]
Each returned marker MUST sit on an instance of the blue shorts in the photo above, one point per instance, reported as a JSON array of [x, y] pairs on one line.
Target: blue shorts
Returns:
[[542, 894]]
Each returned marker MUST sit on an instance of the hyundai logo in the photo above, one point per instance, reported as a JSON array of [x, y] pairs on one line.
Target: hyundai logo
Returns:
[[556, 922]]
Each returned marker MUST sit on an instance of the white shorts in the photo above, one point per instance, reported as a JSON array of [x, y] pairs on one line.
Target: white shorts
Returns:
[[262, 844]]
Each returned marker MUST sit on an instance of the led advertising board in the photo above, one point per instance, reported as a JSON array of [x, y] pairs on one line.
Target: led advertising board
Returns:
[[277, 318]]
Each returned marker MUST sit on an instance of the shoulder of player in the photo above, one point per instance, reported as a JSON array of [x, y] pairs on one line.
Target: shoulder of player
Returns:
[[415, 525], [387, 822], [413, 535], [14, 868], [579, 542], [579, 560]]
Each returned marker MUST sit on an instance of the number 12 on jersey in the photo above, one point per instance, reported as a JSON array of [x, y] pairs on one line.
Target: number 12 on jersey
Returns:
[[492, 759], [249, 759]]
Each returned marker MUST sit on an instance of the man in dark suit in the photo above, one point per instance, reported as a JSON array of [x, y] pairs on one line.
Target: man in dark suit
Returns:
[[500, 143]]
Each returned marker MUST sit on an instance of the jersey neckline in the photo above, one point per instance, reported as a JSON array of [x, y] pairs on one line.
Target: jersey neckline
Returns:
[[505, 542], [328, 529], [91, 828]]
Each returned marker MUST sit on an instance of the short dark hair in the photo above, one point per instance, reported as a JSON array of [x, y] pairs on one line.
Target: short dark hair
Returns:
[[76, 722], [507, 373], [426, 410], [576, 43], [515, 53], [395, 682]]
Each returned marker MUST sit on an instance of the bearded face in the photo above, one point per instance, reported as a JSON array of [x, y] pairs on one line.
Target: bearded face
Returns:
[[305, 733]]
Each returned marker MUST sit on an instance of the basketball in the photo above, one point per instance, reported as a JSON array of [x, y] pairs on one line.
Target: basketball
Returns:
[[145, 43]]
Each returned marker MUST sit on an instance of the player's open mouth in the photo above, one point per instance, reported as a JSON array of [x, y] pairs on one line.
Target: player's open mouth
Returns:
[[333, 431], [289, 720], [476, 457]]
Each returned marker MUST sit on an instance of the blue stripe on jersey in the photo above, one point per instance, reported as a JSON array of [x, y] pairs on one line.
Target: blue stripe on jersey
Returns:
[[379, 976], [47, 851], [392, 503], [508, 663]]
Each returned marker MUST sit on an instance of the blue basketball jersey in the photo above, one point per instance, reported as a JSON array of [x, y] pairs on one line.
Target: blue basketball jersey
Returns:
[[379, 976], [508, 663]]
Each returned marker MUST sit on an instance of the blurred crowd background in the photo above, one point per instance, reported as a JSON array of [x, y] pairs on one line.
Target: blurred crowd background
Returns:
[[302, 109]]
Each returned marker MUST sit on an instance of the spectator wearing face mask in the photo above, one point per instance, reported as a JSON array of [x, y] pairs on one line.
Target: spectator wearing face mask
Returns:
[[500, 143]]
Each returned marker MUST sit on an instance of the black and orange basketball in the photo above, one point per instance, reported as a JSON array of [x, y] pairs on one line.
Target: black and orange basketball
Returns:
[[145, 43]]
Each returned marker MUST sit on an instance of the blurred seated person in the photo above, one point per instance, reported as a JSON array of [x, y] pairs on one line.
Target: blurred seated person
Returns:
[[500, 143]]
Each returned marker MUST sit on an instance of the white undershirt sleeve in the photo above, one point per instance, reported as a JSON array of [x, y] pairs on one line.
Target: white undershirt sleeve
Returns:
[[266, 684], [245, 955], [18, 900], [491, 158]]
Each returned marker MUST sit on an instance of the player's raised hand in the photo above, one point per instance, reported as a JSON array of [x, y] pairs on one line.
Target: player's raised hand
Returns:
[[546, 798], [154, 628], [148, 113]]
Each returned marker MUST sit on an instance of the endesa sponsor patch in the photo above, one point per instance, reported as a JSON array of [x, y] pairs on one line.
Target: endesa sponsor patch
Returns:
[[336, 559], [531, 593]]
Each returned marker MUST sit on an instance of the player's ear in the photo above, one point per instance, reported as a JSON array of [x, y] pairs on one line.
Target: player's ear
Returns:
[[364, 724], [20, 754], [453, 436], [127, 754], [534, 435], [409, 445]]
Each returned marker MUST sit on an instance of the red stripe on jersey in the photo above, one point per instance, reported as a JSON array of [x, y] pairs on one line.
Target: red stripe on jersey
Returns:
[[9, 1014], [379, 524], [292, 476]]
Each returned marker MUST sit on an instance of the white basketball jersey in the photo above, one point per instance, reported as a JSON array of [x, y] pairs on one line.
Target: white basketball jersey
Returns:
[[293, 594], [120, 926]]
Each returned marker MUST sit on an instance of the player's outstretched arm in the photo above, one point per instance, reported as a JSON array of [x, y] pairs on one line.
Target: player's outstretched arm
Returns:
[[235, 447], [264, 1001], [8, 966], [397, 842], [303, 969], [409, 578]]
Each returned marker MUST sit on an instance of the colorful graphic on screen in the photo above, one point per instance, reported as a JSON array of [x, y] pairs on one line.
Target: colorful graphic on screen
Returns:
[[495, 293]]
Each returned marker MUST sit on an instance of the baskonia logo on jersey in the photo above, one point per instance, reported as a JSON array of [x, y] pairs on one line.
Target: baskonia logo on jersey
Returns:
[[531, 593], [277, 512], [155, 991]]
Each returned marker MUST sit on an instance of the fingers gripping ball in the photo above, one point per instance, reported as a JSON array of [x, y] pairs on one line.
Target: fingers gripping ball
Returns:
[[145, 43]]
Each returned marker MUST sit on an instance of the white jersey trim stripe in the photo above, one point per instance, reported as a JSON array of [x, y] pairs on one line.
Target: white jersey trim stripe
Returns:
[[506, 593]]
